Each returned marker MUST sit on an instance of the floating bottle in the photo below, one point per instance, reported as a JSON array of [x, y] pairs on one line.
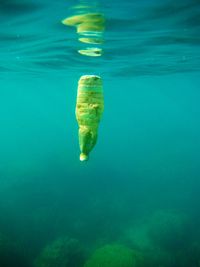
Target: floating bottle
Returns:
[[89, 109]]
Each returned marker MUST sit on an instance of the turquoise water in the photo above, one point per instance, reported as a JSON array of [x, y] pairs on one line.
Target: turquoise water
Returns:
[[140, 187]]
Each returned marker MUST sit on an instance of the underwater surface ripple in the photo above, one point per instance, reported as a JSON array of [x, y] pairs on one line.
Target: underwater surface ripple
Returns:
[[159, 38]]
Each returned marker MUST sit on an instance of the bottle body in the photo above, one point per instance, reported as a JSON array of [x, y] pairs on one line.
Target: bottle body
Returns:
[[89, 109]]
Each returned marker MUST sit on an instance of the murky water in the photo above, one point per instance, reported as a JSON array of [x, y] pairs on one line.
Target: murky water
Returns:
[[138, 195]]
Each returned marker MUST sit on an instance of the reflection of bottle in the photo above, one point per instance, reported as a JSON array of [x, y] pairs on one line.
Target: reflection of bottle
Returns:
[[89, 108], [90, 27], [89, 22]]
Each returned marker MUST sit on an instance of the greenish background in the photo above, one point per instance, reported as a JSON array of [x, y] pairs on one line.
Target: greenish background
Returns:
[[146, 161]]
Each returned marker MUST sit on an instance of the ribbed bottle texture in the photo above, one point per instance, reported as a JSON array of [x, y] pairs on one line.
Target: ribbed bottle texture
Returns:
[[89, 109]]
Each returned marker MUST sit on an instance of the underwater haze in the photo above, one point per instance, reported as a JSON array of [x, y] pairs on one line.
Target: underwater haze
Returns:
[[136, 201]]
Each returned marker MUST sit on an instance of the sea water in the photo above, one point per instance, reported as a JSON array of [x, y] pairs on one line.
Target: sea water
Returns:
[[140, 188]]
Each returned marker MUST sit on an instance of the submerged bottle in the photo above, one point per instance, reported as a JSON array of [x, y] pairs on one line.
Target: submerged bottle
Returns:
[[89, 109]]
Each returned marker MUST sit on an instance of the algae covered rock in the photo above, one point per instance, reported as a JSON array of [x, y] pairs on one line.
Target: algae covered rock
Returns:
[[113, 255], [163, 238], [63, 252], [169, 229], [137, 236], [164, 229]]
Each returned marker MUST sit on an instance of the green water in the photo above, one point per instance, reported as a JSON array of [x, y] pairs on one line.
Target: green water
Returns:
[[140, 187]]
